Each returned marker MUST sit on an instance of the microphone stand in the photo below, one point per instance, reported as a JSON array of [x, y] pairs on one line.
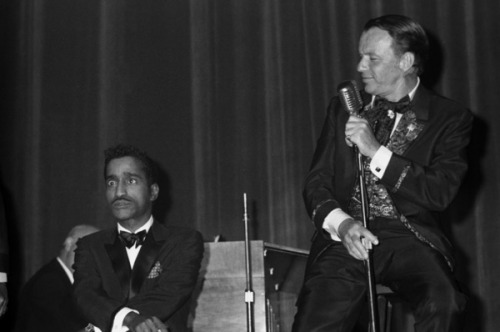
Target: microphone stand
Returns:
[[249, 294], [351, 100], [372, 296]]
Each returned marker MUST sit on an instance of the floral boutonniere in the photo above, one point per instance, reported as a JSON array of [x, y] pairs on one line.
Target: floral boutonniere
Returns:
[[391, 114], [413, 128]]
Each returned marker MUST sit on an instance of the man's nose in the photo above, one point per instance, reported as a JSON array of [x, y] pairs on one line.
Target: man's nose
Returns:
[[361, 65], [121, 189]]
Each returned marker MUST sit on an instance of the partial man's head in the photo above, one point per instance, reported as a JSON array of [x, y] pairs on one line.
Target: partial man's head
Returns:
[[131, 184], [393, 49], [67, 253]]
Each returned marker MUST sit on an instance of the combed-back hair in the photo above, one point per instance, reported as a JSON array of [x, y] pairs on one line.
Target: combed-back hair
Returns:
[[408, 36], [123, 150]]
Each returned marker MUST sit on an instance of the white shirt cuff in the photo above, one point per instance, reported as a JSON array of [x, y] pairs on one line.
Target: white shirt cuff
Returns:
[[380, 160], [119, 317], [3, 277], [333, 221]]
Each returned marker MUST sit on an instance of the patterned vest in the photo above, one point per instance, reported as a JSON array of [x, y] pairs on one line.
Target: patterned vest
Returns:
[[380, 203], [381, 119]]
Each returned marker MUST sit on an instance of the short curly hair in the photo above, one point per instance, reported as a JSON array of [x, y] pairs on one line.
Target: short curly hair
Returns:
[[123, 150]]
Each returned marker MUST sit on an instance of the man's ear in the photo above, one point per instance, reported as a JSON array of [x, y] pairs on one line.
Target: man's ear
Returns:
[[407, 61], [70, 243], [155, 190], [67, 244]]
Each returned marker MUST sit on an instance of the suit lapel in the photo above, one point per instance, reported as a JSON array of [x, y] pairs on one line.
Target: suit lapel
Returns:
[[405, 133], [121, 265], [411, 124], [146, 258]]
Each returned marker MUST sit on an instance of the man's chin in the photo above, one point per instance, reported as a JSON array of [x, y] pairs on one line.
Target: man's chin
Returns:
[[121, 215], [369, 88]]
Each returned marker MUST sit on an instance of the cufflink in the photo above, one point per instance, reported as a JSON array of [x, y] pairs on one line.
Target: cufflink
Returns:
[[377, 169], [89, 328]]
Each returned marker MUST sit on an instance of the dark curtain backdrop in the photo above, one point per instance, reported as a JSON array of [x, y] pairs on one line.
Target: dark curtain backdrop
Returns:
[[228, 97]]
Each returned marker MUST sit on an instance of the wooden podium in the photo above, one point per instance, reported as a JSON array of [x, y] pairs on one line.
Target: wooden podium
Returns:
[[219, 299]]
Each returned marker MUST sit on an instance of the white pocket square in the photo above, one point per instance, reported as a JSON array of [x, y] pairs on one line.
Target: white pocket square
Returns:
[[155, 271]]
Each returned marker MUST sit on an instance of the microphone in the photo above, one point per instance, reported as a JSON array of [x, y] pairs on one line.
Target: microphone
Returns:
[[350, 97], [351, 101]]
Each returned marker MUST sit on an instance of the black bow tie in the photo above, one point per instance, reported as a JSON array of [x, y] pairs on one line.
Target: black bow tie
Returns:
[[383, 116], [400, 106], [129, 239]]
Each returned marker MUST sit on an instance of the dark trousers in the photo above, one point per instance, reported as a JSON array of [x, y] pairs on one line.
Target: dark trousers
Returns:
[[335, 284]]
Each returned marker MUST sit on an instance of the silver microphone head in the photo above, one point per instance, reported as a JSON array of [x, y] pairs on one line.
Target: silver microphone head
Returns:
[[350, 97]]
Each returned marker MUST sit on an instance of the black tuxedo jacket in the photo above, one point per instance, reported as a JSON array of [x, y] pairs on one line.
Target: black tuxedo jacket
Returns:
[[423, 175], [46, 303], [160, 284]]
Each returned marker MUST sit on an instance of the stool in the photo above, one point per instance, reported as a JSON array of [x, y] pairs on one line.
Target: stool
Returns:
[[384, 307], [386, 299]]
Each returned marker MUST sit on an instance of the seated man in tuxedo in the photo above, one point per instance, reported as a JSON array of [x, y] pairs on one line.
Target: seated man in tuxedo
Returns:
[[46, 302], [137, 275], [413, 145]]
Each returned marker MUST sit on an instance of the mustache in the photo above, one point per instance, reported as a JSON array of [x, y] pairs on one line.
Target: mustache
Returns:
[[121, 199]]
